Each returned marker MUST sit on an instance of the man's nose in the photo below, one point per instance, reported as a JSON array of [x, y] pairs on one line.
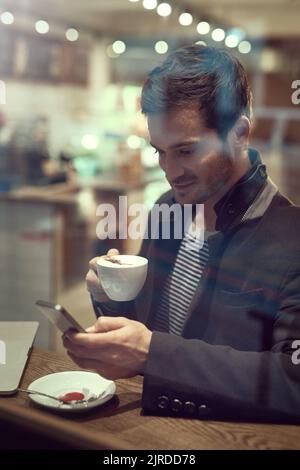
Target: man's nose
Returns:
[[172, 168]]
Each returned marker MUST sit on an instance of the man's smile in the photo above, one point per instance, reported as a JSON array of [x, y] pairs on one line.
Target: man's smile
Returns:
[[183, 184]]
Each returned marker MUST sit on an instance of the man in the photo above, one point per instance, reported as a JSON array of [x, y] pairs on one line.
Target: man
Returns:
[[214, 327]]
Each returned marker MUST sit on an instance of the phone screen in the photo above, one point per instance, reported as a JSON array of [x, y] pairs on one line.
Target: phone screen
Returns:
[[59, 316]]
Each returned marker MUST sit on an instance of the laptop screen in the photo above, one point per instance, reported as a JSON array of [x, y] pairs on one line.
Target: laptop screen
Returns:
[[16, 339]]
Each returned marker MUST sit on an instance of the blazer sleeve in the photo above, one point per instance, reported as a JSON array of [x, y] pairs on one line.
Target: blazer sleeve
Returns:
[[189, 377]]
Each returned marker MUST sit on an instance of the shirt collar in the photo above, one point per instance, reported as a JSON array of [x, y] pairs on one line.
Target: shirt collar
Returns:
[[234, 204]]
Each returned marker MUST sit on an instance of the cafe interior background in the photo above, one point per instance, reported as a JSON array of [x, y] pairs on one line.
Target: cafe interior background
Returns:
[[72, 135]]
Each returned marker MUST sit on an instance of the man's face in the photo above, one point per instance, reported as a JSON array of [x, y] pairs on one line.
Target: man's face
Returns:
[[194, 159]]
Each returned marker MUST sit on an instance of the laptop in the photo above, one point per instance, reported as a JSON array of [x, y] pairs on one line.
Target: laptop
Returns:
[[16, 340]]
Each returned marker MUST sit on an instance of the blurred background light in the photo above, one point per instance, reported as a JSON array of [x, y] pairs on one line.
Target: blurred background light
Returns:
[[164, 9], [244, 47], [218, 34], [203, 27], [231, 40], [42, 27], [133, 142], [185, 19], [161, 47], [90, 141], [7, 18], [150, 4], [72, 34], [270, 61], [119, 47], [237, 32]]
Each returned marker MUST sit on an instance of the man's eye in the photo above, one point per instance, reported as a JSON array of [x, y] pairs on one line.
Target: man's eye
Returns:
[[196, 150], [186, 152]]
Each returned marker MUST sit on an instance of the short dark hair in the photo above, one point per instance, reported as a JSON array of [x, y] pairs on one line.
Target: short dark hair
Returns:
[[209, 76]]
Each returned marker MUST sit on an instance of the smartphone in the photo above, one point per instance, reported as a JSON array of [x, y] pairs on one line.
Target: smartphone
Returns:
[[59, 316]]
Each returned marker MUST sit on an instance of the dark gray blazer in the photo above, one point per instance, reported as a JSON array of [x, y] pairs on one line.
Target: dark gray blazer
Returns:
[[234, 358]]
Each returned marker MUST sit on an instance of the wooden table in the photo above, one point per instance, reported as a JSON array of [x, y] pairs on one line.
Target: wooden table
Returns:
[[120, 423]]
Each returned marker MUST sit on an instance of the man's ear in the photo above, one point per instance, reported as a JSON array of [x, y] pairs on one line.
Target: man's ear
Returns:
[[241, 131]]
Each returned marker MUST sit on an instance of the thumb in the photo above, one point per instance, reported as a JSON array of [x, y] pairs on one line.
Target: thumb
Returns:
[[113, 252], [105, 324], [93, 263]]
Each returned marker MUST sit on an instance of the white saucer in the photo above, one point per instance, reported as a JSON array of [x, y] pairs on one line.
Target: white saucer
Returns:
[[88, 383]]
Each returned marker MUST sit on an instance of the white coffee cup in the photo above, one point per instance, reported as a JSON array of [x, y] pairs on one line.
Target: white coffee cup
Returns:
[[122, 282]]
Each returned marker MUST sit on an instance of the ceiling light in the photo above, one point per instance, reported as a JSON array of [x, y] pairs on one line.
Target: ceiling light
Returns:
[[164, 9], [203, 27], [119, 47], [244, 47], [185, 19], [42, 27], [149, 4], [231, 40], [7, 17], [134, 1], [72, 34], [161, 47], [218, 34]]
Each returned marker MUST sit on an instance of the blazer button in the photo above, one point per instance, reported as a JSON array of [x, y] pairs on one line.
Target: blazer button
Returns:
[[262, 171], [163, 402], [189, 408], [176, 405], [230, 209], [203, 410]]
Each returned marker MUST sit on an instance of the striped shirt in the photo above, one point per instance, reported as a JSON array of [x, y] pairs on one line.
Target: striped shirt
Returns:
[[181, 284]]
